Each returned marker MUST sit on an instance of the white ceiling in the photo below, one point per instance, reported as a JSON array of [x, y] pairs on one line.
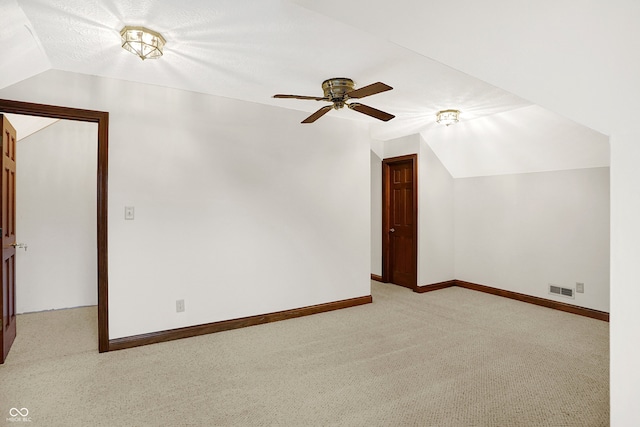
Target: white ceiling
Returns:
[[250, 50], [28, 125]]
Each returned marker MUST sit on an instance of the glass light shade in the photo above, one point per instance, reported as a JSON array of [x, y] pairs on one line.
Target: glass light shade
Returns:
[[448, 117], [145, 43]]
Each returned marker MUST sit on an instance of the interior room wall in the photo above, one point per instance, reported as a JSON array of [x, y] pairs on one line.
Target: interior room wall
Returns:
[[409, 144], [625, 294], [523, 232], [376, 214], [435, 218], [56, 217], [239, 209]]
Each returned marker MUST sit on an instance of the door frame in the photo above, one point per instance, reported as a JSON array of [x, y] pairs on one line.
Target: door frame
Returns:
[[102, 119], [386, 207]]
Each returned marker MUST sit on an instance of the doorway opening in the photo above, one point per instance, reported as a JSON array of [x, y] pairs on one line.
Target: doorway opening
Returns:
[[102, 120]]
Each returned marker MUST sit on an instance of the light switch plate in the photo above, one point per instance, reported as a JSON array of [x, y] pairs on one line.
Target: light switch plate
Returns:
[[129, 212]]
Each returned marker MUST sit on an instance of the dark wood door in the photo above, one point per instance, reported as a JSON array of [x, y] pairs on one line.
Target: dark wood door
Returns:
[[8, 221], [400, 221]]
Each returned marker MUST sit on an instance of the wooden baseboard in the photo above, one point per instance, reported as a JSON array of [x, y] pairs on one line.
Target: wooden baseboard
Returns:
[[225, 325], [582, 311], [376, 278], [434, 286]]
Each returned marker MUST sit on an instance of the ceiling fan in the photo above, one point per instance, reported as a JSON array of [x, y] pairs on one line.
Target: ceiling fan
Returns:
[[338, 90]]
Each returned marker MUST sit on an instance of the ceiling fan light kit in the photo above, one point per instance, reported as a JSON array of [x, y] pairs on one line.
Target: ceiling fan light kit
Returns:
[[141, 41], [448, 117], [338, 90]]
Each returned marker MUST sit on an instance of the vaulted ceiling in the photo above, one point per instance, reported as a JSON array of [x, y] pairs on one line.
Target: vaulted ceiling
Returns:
[[250, 50]]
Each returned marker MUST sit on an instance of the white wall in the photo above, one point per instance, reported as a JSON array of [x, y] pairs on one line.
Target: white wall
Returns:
[[376, 214], [56, 217], [240, 210], [522, 232], [435, 219], [409, 144], [625, 292]]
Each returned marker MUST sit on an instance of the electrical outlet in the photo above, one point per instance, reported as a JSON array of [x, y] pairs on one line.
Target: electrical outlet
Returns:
[[579, 287], [179, 306]]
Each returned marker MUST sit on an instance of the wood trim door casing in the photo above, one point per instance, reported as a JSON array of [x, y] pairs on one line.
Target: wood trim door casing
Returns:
[[102, 119], [386, 200]]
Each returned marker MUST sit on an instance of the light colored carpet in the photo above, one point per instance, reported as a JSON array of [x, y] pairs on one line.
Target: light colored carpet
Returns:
[[452, 357]]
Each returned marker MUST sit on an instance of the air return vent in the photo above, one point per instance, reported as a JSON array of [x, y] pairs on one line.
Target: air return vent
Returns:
[[563, 292]]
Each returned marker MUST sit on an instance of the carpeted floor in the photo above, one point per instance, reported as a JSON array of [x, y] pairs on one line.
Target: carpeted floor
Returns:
[[452, 357]]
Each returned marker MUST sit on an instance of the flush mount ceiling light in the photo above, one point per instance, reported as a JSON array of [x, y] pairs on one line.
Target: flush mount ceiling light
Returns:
[[448, 117], [145, 43]]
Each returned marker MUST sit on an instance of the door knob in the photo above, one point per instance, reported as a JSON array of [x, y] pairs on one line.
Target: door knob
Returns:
[[392, 230], [20, 245]]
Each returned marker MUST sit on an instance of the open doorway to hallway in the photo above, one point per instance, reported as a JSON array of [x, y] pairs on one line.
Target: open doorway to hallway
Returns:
[[56, 221]]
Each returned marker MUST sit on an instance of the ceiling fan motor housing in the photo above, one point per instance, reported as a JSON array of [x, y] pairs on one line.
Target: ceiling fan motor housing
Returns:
[[336, 90]]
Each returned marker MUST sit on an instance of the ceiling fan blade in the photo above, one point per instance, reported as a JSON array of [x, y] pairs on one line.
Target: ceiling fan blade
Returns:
[[313, 98], [315, 116], [370, 111], [372, 89]]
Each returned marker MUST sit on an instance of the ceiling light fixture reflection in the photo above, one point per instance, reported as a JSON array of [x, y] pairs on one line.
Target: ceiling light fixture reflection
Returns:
[[145, 43], [448, 117]]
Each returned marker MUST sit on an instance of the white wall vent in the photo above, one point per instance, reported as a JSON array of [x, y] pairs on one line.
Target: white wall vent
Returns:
[[563, 292]]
